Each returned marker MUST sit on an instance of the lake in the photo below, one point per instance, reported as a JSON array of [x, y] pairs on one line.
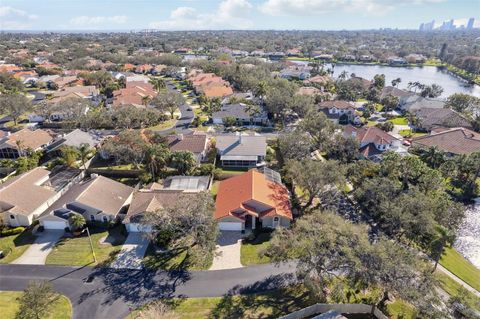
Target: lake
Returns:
[[468, 237], [425, 75]]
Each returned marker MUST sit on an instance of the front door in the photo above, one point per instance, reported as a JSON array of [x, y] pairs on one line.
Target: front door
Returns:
[[276, 221]]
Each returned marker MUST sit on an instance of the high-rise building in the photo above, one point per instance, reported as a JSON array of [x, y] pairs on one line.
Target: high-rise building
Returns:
[[471, 23]]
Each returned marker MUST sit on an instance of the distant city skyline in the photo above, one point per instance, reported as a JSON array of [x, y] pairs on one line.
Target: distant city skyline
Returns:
[[229, 14], [452, 24]]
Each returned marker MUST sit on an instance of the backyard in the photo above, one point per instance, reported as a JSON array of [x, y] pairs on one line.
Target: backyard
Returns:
[[61, 309], [462, 268], [76, 251], [15, 245]]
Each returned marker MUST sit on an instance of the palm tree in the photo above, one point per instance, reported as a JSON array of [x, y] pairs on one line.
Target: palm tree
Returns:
[[343, 75], [145, 100], [433, 157], [77, 221], [84, 152], [158, 84], [444, 236], [261, 89], [69, 155]]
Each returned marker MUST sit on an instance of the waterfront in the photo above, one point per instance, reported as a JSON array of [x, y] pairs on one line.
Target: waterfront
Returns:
[[468, 239]]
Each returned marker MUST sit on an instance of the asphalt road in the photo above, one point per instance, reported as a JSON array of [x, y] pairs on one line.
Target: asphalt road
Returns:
[[112, 293], [186, 117]]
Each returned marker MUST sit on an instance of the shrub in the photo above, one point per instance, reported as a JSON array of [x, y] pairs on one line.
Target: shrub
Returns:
[[11, 231]]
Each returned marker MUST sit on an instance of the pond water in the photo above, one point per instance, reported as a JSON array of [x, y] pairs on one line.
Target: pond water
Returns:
[[425, 75], [468, 239]]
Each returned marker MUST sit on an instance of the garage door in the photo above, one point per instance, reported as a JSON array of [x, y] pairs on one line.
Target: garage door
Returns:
[[54, 224], [134, 227], [230, 226]]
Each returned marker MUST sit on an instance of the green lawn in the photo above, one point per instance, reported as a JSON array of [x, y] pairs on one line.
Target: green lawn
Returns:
[[14, 246], [454, 289], [462, 268], [164, 125], [77, 252], [409, 133], [175, 260], [214, 189], [61, 309], [271, 304], [250, 249], [399, 120], [399, 309]]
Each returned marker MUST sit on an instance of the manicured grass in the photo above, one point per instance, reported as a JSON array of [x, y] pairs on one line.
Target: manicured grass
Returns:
[[175, 260], [399, 121], [214, 188], [454, 289], [409, 133], [271, 304], [249, 251], [462, 268], [399, 309], [164, 125], [77, 252], [61, 309], [14, 246]]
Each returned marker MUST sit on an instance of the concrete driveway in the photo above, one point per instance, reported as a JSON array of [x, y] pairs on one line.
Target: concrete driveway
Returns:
[[227, 253], [132, 253], [37, 253]]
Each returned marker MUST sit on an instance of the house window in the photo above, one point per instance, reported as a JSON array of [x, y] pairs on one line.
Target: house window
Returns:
[[275, 219], [105, 219], [12, 217], [92, 218]]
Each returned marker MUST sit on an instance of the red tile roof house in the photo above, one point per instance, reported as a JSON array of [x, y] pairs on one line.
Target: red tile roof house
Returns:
[[16, 144], [252, 200], [373, 141], [136, 93]]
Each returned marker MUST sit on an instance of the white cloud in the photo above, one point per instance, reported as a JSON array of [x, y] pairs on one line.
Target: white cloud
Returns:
[[312, 7], [230, 14], [15, 19], [88, 22]]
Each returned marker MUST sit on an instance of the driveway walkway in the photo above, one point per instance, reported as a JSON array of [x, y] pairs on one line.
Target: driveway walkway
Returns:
[[133, 250], [227, 253], [37, 253]]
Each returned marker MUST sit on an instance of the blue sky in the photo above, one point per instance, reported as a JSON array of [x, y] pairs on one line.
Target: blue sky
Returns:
[[228, 14]]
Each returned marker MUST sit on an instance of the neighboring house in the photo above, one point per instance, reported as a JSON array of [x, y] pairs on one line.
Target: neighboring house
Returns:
[[454, 141], [197, 143], [241, 150], [416, 102], [340, 112], [187, 183], [136, 93], [373, 141], [23, 198], [145, 201], [75, 139], [136, 78], [252, 200], [295, 72], [17, 144], [89, 92], [402, 95], [430, 118], [98, 199], [395, 60], [309, 90], [241, 113]]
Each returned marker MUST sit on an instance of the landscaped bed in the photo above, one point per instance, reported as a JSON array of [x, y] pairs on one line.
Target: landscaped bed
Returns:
[[76, 251], [61, 309], [15, 245]]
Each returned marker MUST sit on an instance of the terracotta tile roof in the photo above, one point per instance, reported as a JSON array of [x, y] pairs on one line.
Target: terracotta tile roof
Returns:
[[32, 194], [79, 90], [321, 79], [217, 91], [33, 139], [235, 193], [305, 90], [128, 67], [371, 134], [456, 141], [134, 93]]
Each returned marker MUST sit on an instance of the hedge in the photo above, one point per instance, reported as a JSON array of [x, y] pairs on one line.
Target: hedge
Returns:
[[11, 231]]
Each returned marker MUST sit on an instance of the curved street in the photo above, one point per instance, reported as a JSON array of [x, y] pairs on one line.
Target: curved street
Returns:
[[114, 293]]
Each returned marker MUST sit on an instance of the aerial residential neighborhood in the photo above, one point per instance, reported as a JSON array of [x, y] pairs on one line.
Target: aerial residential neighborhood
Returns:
[[239, 159]]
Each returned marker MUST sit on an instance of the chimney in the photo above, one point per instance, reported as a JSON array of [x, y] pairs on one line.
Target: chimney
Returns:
[[240, 138], [180, 137]]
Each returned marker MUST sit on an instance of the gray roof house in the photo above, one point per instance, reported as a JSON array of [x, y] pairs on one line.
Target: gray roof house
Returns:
[[430, 118], [414, 103], [237, 150], [241, 113], [75, 138], [97, 199]]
